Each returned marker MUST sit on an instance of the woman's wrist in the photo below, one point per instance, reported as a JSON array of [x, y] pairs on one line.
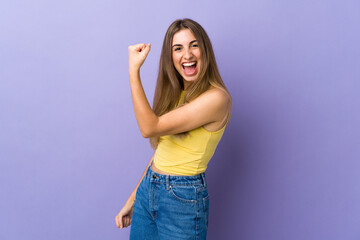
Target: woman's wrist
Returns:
[[134, 70], [134, 75]]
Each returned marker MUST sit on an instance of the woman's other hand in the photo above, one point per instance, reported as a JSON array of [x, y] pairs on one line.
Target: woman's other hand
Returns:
[[123, 219], [137, 55]]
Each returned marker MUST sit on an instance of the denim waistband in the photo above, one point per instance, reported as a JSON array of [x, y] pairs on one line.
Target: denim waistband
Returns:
[[176, 180]]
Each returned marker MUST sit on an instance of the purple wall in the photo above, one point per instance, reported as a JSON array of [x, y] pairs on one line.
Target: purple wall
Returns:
[[71, 152]]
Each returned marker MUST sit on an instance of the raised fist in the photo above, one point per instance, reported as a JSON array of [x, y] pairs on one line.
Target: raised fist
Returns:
[[137, 55]]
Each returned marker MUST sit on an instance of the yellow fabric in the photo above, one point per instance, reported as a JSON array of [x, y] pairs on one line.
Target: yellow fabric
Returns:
[[189, 155]]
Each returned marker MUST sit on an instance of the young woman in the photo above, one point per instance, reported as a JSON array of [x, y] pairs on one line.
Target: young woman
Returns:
[[190, 112]]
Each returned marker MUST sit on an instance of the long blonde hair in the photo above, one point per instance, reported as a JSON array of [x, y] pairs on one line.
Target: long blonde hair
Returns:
[[170, 83]]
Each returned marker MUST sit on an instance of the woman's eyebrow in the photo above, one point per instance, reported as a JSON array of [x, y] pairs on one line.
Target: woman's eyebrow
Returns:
[[179, 45]]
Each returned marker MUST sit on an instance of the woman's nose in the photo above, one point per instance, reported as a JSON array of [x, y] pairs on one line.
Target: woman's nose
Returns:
[[187, 53]]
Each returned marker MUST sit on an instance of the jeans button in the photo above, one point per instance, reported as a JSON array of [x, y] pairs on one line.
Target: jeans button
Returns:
[[154, 176]]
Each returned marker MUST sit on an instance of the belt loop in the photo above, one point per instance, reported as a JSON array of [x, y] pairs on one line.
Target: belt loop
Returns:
[[203, 178], [167, 182]]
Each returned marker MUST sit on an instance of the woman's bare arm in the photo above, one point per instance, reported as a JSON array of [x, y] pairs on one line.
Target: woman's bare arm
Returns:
[[209, 107], [133, 194], [123, 218]]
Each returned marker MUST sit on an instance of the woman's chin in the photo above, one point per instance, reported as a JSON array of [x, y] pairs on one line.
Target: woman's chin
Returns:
[[190, 78]]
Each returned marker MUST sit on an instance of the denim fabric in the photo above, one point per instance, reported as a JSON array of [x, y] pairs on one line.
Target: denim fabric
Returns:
[[170, 207]]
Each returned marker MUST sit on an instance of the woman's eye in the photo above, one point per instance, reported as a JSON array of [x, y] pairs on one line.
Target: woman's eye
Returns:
[[195, 45], [177, 49]]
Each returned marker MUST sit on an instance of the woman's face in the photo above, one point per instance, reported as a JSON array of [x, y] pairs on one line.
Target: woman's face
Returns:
[[186, 55]]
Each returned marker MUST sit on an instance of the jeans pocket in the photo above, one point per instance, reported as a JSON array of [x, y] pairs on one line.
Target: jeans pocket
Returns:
[[183, 193]]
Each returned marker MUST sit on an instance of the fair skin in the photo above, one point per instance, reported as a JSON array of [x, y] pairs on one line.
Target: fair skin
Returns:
[[186, 51], [209, 110]]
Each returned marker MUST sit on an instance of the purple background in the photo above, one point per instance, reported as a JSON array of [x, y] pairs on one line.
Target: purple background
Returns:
[[71, 151]]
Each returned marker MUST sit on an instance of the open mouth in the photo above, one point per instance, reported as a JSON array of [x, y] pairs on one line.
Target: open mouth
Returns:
[[189, 68]]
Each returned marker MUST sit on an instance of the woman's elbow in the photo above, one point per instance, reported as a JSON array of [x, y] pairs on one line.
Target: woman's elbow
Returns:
[[149, 130], [147, 133]]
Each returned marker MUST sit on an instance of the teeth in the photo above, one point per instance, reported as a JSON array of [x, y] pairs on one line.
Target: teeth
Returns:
[[188, 64]]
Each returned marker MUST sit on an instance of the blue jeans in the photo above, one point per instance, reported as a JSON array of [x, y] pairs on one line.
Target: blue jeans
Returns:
[[170, 207]]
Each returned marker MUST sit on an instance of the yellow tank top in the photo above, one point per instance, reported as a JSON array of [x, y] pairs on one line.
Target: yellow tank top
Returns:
[[189, 155]]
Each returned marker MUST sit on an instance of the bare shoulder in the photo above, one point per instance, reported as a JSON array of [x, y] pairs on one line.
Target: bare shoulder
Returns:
[[221, 100], [218, 96]]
